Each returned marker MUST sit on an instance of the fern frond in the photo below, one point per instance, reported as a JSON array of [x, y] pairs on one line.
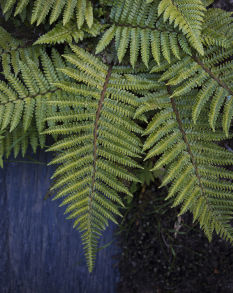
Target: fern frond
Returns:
[[217, 28], [13, 50], [213, 73], [68, 33], [20, 140], [188, 15], [54, 8], [194, 162], [136, 25], [22, 99], [94, 156]]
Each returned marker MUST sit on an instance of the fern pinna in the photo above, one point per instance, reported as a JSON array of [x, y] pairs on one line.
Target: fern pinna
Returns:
[[116, 83]]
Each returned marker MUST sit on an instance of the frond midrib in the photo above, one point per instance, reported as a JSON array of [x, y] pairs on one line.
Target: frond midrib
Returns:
[[195, 166], [93, 181], [212, 75]]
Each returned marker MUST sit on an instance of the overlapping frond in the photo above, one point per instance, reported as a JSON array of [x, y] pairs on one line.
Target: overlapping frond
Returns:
[[22, 101], [193, 159], [68, 33], [188, 15], [19, 140], [83, 10], [12, 51], [212, 74], [217, 28], [97, 143], [137, 26]]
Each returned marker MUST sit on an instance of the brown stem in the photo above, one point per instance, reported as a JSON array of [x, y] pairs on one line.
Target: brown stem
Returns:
[[219, 81], [95, 133], [178, 119]]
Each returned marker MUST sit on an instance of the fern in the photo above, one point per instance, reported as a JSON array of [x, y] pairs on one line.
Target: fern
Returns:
[[193, 160], [68, 33], [97, 144], [160, 89], [12, 51], [188, 20], [143, 32], [213, 73], [41, 8], [22, 98]]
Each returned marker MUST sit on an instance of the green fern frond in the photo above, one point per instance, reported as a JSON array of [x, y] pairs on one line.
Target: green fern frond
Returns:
[[13, 50], [213, 73], [22, 100], [188, 15], [97, 144], [194, 162], [68, 33], [54, 8], [217, 28], [136, 25], [20, 140]]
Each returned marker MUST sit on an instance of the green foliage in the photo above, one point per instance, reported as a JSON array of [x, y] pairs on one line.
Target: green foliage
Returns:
[[92, 158], [137, 25], [176, 12], [193, 160], [68, 33], [140, 80], [54, 8]]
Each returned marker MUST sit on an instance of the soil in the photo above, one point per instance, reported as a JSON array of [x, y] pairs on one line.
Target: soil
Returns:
[[163, 253]]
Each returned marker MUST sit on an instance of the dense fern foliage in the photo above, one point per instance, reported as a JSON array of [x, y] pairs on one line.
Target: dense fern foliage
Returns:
[[116, 83]]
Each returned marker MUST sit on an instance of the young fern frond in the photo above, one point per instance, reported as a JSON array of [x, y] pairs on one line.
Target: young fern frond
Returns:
[[136, 25], [194, 161]]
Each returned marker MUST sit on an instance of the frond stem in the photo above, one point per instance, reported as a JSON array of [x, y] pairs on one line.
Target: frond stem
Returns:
[[207, 70], [95, 133], [178, 119]]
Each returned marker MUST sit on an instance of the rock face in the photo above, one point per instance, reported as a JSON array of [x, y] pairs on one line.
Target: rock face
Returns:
[[40, 251]]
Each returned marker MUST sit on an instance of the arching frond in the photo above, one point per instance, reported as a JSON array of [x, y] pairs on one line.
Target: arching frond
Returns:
[[193, 160], [211, 73]]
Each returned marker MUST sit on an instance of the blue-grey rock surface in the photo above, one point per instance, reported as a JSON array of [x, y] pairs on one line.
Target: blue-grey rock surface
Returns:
[[40, 252]]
